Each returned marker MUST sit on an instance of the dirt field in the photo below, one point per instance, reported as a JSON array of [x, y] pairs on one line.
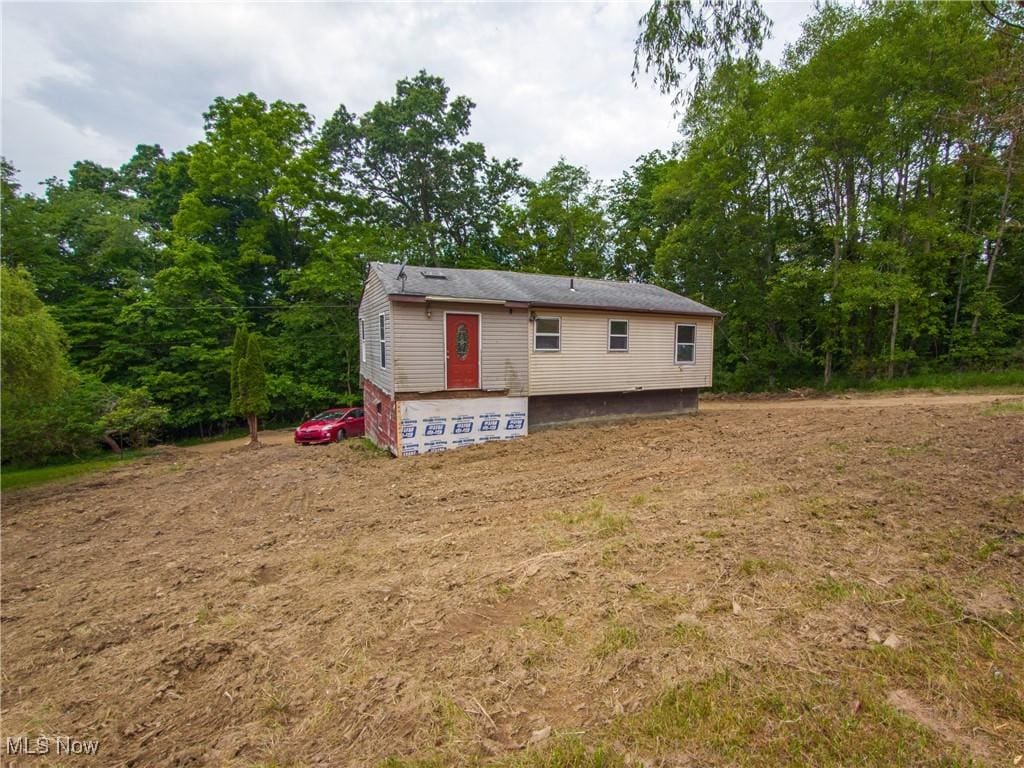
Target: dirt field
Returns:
[[829, 582]]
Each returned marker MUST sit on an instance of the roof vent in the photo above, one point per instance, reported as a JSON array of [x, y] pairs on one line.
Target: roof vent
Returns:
[[434, 276], [572, 285]]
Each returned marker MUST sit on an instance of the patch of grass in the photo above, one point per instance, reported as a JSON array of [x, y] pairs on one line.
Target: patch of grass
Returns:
[[638, 501], [779, 717], [397, 762], [611, 554], [1006, 381], [273, 705], [24, 478], [232, 434], [661, 602], [754, 565], [541, 635], [687, 633], [713, 534], [616, 638], [566, 752], [365, 447], [595, 516], [987, 549], [906, 450], [960, 659], [832, 590], [550, 628], [943, 555], [1005, 409], [817, 507], [869, 512], [1011, 502], [447, 719]]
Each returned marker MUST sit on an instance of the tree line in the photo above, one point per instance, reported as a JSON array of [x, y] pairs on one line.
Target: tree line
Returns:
[[852, 211]]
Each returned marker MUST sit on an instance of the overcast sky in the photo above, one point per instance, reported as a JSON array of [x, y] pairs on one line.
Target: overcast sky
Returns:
[[92, 80]]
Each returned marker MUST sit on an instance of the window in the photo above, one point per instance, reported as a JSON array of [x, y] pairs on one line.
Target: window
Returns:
[[383, 343], [547, 334], [685, 347], [362, 340], [618, 335]]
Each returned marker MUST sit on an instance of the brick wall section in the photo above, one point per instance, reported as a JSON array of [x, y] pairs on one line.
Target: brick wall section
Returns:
[[381, 425]]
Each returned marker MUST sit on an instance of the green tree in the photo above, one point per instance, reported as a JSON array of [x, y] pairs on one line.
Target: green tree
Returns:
[[408, 158], [251, 383], [132, 416], [174, 334], [633, 217], [695, 37], [250, 191], [853, 209], [238, 349], [39, 390], [561, 228], [34, 361]]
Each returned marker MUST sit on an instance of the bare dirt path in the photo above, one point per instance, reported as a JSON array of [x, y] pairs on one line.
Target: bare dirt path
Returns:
[[738, 587], [859, 401], [268, 437]]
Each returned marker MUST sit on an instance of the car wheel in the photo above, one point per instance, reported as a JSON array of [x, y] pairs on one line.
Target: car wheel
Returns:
[[341, 435]]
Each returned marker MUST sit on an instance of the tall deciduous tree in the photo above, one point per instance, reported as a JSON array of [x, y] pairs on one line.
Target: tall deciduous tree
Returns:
[[561, 228], [409, 158], [680, 38], [251, 191], [34, 362]]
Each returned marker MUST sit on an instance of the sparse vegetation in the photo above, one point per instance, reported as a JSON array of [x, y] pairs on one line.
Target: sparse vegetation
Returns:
[[775, 716], [1005, 409], [441, 613], [616, 637], [595, 516], [12, 477]]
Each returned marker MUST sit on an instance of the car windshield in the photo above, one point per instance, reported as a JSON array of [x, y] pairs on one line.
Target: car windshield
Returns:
[[328, 416]]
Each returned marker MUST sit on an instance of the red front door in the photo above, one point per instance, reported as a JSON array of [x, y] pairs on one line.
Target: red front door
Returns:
[[462, 351]]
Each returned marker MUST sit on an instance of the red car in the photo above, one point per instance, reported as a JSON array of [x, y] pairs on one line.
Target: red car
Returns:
[[331, 426]]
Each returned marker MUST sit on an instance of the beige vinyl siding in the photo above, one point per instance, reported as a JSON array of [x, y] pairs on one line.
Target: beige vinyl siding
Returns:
[[374, 302], [585, 364], [419, 346]]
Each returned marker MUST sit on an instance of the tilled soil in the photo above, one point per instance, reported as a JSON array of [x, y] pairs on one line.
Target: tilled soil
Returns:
[[330, 605]]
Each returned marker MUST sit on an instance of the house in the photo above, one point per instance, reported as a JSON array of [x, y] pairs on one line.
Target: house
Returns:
[[452, 357]]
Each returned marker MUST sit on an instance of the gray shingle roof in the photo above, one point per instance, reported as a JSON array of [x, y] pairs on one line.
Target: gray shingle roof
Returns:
[[536, 290]]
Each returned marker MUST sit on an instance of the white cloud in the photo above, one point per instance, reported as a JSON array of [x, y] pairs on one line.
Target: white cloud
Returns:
[[92, 80]]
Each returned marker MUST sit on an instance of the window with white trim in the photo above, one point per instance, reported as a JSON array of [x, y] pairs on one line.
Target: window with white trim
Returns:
[[383, 343], [618, 335], [686, 348], [362, 340], [547, 334]]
